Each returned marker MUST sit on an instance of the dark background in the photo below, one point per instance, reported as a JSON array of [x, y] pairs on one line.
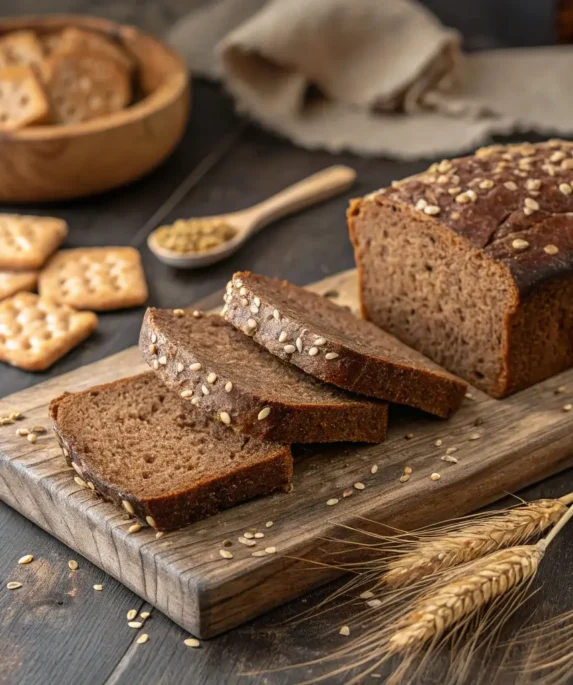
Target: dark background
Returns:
[[54, 636]]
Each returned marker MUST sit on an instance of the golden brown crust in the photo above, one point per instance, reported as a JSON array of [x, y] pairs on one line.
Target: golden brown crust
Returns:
[[35, 333], [97, 278]]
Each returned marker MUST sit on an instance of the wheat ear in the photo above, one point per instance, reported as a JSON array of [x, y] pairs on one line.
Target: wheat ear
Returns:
[[436, 553]]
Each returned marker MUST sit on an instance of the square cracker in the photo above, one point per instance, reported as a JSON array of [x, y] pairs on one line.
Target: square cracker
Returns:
[[22, 98], [34, 333], [19, 48], [26, 242], [97, 278], [12, 282]]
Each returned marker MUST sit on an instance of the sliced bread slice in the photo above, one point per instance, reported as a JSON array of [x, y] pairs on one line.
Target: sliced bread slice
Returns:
[[135, 443], [330, 343], [226, 375]]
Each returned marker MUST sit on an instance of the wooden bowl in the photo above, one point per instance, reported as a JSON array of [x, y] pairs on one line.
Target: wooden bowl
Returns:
[[56, 162]]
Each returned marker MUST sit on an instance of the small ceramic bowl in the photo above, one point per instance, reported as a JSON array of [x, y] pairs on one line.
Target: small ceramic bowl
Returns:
[[56, 162]]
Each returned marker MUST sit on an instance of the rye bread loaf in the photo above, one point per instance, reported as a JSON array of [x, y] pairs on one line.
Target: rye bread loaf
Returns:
[[225, 375], [135, 443], [330, 343], [471, 263]]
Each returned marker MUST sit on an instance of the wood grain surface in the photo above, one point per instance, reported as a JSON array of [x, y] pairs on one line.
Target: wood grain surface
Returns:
[[502, 446]]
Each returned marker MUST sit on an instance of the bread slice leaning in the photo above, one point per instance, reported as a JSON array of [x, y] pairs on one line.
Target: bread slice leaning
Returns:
[[330, 343], [225, 375], [135, 443]]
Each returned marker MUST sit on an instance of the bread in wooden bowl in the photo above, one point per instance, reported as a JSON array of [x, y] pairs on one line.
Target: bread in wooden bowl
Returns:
[[58, 162]]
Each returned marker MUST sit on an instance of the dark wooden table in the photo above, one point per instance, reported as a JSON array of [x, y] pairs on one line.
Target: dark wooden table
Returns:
[[70, 634]]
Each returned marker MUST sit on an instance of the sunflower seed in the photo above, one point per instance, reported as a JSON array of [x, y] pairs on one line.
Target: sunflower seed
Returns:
[[13, 585], [191, 642], [226, 554], [142, 639], [26, 559], [131, 614]]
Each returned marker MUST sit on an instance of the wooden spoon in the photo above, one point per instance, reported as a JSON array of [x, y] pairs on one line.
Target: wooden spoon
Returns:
[[247, 222]]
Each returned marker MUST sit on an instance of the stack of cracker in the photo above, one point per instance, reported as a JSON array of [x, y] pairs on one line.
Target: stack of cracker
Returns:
[[65, 77], [36, 330]]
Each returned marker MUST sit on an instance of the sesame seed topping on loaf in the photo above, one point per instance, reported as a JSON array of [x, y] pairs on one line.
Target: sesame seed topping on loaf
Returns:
[[471, 263]]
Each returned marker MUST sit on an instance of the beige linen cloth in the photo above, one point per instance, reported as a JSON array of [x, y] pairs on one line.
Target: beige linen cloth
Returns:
[[375, 77]]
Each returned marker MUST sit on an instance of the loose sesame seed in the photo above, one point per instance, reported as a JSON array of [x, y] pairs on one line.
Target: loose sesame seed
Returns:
[[271, 550], [265, 411], [374, 469], [155, 364], [32, 437], [374, 603], [142, 639], [128, 506], [407, 469], [404, 478], [259, 535], [568, 407], [251, 323], [211, 378], [331, 355], [289, 349], [73, 565], [13, 585], [451, 450], [15, 416], [345, 630], [243, 292], [469, 396], [159, 534], [276, 314], [153, 338], [510, 185], [131, 614], [348, 492], [39, 429], [367, 594], [228, 386], [409, 436], [226, 554], [313, 352], [150, 521], [6, 421], [432, 210], [196, 366], [79, 481], [249, 535], [530, 203], [153, 349], [560, 389], [359, 486], [246, 541], [135, 624], [269, 524], [259, 553], [22, 431], [435, 476], [320, 341], [449, 458], [26, 559], [331, 502], [474, 436], [191, 642], [438, 443], [98, 587], [205, 390], [195, 401], [225, 418], [135, 528], [551, 249], [186, 393], [519, 244]]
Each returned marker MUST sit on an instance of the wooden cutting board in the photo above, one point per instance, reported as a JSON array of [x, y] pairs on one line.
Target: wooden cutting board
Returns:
[[522, 439]]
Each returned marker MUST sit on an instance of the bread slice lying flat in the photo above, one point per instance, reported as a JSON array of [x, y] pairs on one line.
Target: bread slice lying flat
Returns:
[[330, 343], [225, 375], [134, 442]]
